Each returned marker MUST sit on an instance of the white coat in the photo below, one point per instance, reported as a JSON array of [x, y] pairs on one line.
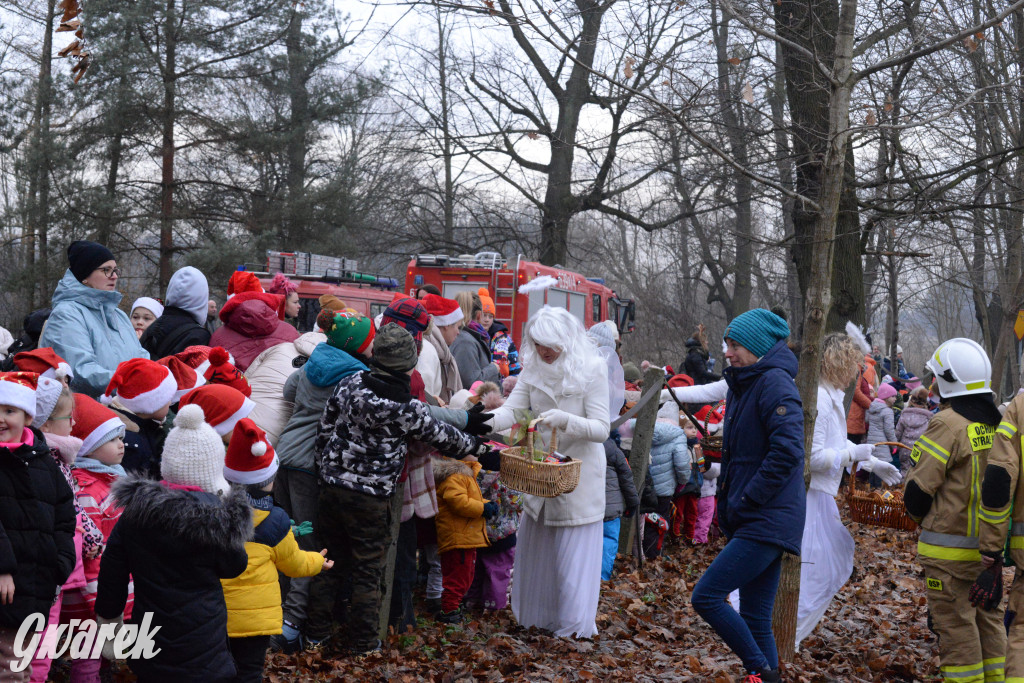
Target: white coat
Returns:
[[267, 375], [830, 450], [582, 440]]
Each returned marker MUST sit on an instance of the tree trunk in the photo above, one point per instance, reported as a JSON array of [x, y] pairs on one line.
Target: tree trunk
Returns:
[[640, 451], [819, 263], [167, 146], [39, 169], [447, 152], [296, 222]]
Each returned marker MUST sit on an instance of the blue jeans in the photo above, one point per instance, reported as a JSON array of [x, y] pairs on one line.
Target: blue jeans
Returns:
[[611, 547], [754, 569]]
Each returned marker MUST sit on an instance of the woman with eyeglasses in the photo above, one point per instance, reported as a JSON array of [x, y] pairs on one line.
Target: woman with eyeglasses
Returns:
[[86, 327]]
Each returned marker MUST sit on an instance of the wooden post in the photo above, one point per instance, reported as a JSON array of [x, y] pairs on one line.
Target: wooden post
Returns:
[[389, 569], [640, 453]]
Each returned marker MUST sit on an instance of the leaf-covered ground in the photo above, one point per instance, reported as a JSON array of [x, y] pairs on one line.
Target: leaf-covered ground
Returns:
[[875, 630]]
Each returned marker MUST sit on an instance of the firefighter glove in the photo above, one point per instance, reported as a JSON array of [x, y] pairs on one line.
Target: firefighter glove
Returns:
[[987, 590]]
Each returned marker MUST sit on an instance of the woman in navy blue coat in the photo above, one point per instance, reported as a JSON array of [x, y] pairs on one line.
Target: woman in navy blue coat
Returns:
[[761, 491]]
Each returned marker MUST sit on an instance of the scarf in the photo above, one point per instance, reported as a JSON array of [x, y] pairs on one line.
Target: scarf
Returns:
[[92, 465], [451, 381], [388, 385], [977, 408], [480, 330], [263, 501]]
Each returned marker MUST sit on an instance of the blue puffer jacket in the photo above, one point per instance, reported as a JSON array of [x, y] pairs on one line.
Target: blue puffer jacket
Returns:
[[670, 458], [308, 389], [89, 331], [761, 493]]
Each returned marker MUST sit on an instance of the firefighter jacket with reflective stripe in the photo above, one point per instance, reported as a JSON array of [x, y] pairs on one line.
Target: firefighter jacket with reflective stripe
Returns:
[[1006, 453], [950, 459]]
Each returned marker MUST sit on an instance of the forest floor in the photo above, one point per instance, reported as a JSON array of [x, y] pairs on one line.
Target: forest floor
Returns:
[[875, 630]]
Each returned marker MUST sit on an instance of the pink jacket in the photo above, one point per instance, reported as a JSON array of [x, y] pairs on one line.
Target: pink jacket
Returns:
[[251, 326]]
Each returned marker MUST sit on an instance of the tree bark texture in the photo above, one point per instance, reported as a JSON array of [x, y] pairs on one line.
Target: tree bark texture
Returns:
[[167, 144], [640, 452], [39, 169]]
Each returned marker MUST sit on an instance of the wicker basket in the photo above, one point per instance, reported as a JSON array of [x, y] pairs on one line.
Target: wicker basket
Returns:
[[711, 445], [866, 509], [520, 472]]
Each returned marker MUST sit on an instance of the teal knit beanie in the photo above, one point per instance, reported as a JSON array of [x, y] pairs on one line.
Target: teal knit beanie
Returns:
[[758, 330]]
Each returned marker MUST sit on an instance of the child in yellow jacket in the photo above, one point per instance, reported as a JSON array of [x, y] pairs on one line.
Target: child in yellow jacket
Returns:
[[253, 598], [461, 529]]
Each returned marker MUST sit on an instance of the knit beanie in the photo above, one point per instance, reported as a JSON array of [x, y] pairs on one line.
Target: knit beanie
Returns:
[[486, 302], [886, 391], [18, 389], [678, 381], [332, 303], [222, 371], [394, 349], [185, 377], [194, 453], [351, 333], [444, 311], [243, 281], [758, 330], [48, 391], [602, 336], [43, 361], [222, 405], [94, 423], [85, 257], [250, 458], [142, 386], [150, 304], [410, 315], [630, 372], [669, 412]]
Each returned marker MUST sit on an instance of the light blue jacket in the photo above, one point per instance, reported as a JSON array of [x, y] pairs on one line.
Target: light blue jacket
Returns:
[[670, 459], [89, 331]]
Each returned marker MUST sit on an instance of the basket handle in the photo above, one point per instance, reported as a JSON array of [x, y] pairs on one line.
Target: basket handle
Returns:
[[894, 443], [553, 446]]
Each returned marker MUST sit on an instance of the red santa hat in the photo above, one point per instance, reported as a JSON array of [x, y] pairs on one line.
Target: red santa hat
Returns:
[[18, 389], [444, 311], [45, 362], [222, 405], [221, 370], [712, 415], [186, 378], [250, 458], [142, 386], [243, 281], [198, 358], [94, 423], [678, 381]]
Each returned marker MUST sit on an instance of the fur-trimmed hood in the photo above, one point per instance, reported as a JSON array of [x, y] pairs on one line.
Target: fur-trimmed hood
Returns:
[[66, 447], [446, 467], [193, 516]]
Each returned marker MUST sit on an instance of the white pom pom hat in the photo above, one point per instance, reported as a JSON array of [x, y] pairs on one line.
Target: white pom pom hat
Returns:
[[250, 459], [194, 453]]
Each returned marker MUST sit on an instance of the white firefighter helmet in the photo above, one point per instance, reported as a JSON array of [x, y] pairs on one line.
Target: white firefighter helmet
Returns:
[[961, 367]]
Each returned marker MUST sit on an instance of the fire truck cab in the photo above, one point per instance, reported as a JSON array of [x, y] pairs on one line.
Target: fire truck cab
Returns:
[[589, 299]]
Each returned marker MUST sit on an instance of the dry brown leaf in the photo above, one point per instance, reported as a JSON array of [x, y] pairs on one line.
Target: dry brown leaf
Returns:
[[735, 61], [888, 103], [628, 69], [970, 44], [748, 93], [870, 119]]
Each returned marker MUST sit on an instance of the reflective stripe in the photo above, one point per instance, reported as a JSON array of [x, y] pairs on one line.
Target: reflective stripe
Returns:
[[948, 540], [1017, 543], [975, 501], [971, 386], [972, 673], [1017, 528], [1007, 429], [938, 552], [993, 517], [940, 453]]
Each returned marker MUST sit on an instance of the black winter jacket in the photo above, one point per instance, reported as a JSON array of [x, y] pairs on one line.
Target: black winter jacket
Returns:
[[177, 545], [696, 363], [619, 488], [172, 333], [37, 529]]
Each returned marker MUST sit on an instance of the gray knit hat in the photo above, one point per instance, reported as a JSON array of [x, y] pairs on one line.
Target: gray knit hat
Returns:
[[394, 349]]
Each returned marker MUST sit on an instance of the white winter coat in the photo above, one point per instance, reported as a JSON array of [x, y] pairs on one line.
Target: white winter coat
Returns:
[[582, 440], [267, 375], [830, 450], [710, 485]]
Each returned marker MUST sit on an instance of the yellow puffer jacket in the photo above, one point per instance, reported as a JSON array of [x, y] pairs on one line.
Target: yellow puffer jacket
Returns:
[[253, 598], [460, 506]]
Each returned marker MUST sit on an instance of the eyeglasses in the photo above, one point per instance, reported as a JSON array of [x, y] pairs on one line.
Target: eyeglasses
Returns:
[[110, 272], [62, 417]]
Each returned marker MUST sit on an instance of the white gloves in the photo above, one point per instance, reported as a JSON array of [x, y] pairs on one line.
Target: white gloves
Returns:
[[886, 471], [861, 452], [556, 419], [108, 651]]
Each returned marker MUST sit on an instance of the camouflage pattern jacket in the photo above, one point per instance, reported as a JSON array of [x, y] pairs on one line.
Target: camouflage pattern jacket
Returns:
[[362, 439]]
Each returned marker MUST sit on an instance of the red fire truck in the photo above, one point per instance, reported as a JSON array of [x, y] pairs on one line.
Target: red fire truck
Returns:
[[586, 298], [317, 275]]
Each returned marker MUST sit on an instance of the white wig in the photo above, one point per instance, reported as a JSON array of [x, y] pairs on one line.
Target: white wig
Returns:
[[556, 328]]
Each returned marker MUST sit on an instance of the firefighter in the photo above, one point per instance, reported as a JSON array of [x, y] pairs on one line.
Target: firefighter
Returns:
[[943, 494], [1002, 506]]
